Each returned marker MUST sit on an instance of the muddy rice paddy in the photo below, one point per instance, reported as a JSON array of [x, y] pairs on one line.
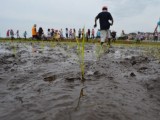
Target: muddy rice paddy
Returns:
[[41, 81]]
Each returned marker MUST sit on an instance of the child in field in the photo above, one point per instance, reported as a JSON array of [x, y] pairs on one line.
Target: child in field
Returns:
[[12, 34], [61, 34], [8, 33], [25, 34], [79, 33], [40, 33], [70, 34], [48, 34], [17, 33], [57, 35], [93, 33], [34, 32], [66, 33], [74, 33]]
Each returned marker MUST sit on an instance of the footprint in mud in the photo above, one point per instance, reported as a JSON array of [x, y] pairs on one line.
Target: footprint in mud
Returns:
[[142, 69], [72, 79], [20, 99], [132, 74], [50, 78]]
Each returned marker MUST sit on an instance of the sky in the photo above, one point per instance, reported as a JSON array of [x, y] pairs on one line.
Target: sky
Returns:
[[128, 15]]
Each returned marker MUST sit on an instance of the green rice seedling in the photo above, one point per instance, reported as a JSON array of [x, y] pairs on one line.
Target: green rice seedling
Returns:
[[98, 51], [80, 52], [154, 51]]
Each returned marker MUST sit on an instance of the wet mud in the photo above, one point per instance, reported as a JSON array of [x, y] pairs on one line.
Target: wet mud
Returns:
[[42, 82]]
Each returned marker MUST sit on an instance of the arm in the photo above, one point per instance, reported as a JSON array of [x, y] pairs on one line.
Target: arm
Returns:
[[111, 18], [112, 21]]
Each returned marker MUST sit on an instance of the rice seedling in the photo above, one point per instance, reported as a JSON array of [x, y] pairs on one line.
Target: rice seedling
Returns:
[[101, 49], [98, 51], [153, 51], [80, 52]]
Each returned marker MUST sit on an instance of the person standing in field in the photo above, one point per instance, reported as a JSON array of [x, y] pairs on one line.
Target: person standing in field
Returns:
[[74, 33], [89, 33], [8, 33], [48, 34], [52, 32], [34, 32], [79, 33], [12, 34], [61, 34], [25, 34], [40, 33], [83, 34], [66, 33], [17, 33], [93, 33], [70, 34], [105, 20]]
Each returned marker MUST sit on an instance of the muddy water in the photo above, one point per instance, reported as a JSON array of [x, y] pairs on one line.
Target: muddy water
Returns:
[[42, 82]]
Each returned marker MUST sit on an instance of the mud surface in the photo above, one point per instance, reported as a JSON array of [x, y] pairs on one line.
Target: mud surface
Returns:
[[42, 82]]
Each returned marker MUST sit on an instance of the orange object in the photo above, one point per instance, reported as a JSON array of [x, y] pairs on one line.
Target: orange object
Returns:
[[34, 32]]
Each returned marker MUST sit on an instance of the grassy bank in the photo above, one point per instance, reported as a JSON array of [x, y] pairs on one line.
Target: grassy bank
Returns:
[[80, 40]]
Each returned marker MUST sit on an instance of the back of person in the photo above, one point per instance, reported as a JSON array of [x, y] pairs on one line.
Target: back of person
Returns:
[[40, 31], [104, 18], [11, 33], [34, 31]]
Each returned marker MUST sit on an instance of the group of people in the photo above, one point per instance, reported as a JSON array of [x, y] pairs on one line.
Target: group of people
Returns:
[[39, 34], [10, 34], [104, 17], [105, 20], [69, 33], [140, 36]]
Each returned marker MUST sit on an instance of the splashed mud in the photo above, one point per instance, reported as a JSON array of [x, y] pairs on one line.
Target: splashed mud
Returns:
[[43, 83]]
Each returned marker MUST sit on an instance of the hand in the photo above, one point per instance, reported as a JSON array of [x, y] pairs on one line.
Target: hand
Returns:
[[111, 24], [95, 25]]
